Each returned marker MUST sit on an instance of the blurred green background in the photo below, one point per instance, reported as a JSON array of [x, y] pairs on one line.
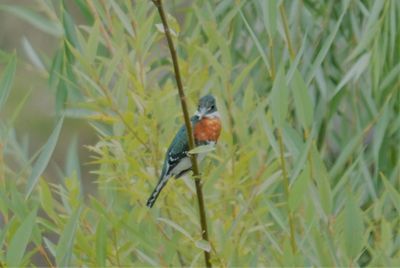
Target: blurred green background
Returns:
[[307, 169], [36, 119]]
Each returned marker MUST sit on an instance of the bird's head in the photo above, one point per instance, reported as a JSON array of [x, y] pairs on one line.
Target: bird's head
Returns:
[[207, 107]]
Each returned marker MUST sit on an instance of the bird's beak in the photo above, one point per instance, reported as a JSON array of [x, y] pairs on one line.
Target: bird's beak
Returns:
[[201, 112]]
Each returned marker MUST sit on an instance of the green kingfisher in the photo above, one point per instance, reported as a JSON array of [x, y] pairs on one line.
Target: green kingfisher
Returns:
[[206, 125]]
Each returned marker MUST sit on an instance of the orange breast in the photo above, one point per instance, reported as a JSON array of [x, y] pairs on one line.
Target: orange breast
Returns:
[[208, 129]]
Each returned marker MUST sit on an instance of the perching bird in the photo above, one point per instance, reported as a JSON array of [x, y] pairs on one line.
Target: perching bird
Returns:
[[206, 125]]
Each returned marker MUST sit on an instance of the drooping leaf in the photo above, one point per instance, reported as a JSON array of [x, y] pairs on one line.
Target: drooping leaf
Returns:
[[39, 21], [44, 158], [279, 98], [20, 240], [302, 100], [64, 249], [6, 80], [353, 227]]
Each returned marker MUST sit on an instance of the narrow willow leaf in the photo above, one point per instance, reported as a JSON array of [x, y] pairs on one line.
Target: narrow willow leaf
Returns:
[[354, 73], [298, 189], [279, 98], [19, 241], [66, 241], [302, 100], [323, 181], [122, 16], [380, 133], [70, 32], [44, 158], [204, 245], [267, 183], [176, 227], [56, 68], [302, 158], [72, 164], [325, 47], [202, 149], [270, 11], [34, 18], [46, 199], [393, 193], [32, 55], [371, 30], [353, 227], [294, 64], [146, 258], [61, 96], [6, 80], [346, 153], [93, 42], [256, 42], [84, 8], [243, 75], [160, 28], [19, 107], [4, 231], [101, 243]]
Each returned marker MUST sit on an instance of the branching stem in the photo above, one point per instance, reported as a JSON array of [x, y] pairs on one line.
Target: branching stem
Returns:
[[195, 167]]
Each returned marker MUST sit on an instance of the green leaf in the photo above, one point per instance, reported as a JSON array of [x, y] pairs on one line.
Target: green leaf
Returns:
[[72, 165], [6, 80], [353, 227], [46, 199], [93, 42], [326, 46], [270, 11], [202, 149], [101, 243], [302, 100], [66, 241], [32, 54], [124, 18], [354, 73], [34, 18], [84, 8], [256, 42], [19, 106], [394, 193], [298, 189], [346, 152], [19, 241], [204, 245], [279, 98], [177, 227], [243, 75], [323, 181], [44, 158]]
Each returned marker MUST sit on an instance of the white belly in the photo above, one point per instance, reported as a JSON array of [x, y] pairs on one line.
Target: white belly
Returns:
[[185, 164]]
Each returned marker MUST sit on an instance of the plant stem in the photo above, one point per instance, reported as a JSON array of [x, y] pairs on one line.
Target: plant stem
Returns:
[[286, 189], [286, 29], [195, 167]]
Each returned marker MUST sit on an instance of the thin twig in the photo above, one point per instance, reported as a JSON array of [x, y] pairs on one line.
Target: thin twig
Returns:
[[286, 29], [196, 173], [286, 189], [103, 30]]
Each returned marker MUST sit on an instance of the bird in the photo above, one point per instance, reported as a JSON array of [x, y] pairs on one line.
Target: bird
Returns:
[[206, 125]]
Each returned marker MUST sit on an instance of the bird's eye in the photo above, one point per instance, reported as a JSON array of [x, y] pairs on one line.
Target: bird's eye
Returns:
[[212, 107]]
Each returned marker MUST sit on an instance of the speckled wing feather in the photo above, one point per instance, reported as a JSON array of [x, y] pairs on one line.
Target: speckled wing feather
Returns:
[[176, 152], [178, 148]]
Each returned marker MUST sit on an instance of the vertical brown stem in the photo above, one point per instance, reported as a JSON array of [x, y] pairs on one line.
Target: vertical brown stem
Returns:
[[195, 167]]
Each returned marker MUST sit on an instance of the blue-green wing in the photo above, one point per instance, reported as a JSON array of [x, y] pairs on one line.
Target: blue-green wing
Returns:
[[178, 148]]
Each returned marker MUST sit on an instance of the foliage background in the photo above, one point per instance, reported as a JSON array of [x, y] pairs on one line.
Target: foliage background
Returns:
[[307, 170]]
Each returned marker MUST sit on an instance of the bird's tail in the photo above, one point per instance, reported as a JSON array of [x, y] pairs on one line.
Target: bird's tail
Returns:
[[156, 192]]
